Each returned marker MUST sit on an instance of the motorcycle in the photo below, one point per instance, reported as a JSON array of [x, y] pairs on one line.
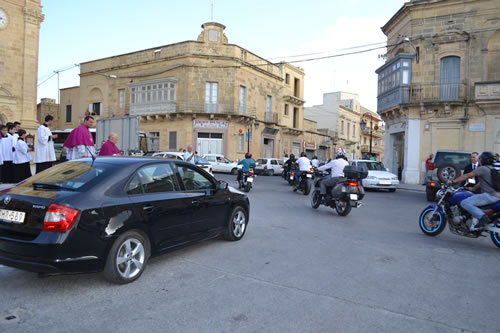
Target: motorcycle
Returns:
[[246, 180], [345, 195], [434, 217], [303, 182]]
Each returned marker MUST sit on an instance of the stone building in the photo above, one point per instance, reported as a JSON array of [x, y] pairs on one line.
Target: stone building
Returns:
[[19, 32], [372, 135], [341, 114], [440, 85], [217, 96], [48, 106]]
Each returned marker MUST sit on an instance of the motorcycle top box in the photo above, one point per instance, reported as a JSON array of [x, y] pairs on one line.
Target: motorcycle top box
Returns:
[[355, 172]]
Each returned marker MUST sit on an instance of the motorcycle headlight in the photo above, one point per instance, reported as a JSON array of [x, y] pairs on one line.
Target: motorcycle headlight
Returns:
[[439, 194]]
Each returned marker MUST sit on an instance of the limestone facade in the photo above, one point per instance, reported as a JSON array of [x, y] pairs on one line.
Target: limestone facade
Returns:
[[206, 92], [19, 62], [440, 85]]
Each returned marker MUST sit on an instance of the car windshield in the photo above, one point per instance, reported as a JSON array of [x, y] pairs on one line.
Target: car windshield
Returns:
[[72, 175], [262, 161], [377, 166]]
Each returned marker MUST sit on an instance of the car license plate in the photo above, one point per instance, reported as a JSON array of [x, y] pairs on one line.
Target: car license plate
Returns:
[[250, 179], [353, 196], [309, 175], [385, 182], [12, 216]]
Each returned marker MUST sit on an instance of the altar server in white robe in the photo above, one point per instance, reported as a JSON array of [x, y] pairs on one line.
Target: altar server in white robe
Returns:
[[7, 143], [45, 154], [22, 158]]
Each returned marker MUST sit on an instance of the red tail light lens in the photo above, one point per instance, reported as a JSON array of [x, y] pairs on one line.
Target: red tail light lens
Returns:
[[265, 166], [251, 172], [351, 183], [59, 218], [432, 184]]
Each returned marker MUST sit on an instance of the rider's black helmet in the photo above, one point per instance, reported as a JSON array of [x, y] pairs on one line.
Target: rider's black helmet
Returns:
[[292, 156], [303, 154], [486, 158]]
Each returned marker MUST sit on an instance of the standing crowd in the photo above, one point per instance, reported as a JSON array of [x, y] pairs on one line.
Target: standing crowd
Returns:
[[15, 156]]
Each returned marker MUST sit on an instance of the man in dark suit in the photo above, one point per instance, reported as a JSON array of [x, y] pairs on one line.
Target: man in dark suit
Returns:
[[473, 165]]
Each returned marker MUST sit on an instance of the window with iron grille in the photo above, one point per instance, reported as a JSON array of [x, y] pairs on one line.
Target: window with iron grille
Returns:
[[68, 113]]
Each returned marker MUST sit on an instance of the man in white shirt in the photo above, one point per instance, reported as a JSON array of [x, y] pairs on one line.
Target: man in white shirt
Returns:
[[315, 162], [189, 155], [45, 154], [337, 171], [304, 166], [496, 165]]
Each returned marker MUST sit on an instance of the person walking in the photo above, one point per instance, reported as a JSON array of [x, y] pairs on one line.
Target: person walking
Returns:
[[80, 143], [45, 155], [109, 148], [22, 158], [428, 168]]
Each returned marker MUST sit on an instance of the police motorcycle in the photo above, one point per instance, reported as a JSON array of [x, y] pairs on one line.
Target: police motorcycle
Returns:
[[447, 210], [246, 180], [345, 195]]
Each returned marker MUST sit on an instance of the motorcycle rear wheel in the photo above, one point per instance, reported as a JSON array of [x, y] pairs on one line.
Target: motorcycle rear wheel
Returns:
[[248, 186], [343, 207], [434, 226], [316, 199], [307, 187], [495, 238]]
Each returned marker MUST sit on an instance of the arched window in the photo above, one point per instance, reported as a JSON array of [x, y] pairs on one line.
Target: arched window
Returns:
[[450, 78]]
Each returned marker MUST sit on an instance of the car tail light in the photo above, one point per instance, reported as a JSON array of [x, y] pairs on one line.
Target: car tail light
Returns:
[[265, 166], [353, 183], [59, 218]]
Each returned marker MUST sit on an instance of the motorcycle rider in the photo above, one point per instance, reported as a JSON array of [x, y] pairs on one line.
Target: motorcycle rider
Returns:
[[337, 171], [247, 163], [315, 162], [289, 164], [304, 165], [488, 194]]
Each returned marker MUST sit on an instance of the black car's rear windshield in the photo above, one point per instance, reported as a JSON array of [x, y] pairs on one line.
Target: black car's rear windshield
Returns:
[[71, 175]]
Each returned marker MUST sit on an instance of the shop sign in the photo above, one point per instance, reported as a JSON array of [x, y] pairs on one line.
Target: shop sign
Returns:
[[198, 123], [309, 145]]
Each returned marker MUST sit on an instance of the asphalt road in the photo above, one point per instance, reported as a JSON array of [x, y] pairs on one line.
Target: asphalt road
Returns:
[[296, 270]]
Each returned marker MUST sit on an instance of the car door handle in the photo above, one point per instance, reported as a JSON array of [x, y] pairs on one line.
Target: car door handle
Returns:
[[196, 203], [148, 209]]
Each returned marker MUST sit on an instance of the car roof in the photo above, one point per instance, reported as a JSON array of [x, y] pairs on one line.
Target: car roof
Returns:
[[452, 151]]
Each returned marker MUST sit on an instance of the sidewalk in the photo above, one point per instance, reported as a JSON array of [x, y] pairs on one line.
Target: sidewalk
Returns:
[[412, 187]]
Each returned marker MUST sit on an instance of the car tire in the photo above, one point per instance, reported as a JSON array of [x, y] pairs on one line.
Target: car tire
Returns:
[[234, 171], [448, 172], [392, 190], [270, 173], [237, 224], [133, 250]]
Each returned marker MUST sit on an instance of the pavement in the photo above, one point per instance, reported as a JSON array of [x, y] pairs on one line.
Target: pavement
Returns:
[[412, 187]]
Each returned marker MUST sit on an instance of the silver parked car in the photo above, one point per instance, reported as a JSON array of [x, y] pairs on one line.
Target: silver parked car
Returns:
[[269, 166]]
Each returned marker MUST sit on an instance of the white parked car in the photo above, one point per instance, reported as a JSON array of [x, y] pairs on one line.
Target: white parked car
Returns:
[[175, 155], [269, 166], [378, 176], [221, 164]]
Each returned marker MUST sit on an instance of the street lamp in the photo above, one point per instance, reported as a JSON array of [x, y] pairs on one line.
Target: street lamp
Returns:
[[362, 125]]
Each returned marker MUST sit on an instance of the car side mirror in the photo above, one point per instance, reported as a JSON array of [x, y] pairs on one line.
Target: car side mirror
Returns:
[[221, 185]]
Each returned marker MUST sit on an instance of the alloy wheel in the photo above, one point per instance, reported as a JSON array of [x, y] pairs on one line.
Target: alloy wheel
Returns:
[[239, 224], [130, 258]]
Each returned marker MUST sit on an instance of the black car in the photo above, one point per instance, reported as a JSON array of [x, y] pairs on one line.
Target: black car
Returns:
[[113, 213]]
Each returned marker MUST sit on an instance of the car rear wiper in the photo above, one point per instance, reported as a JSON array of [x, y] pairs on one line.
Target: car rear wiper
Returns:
[[51, 187]]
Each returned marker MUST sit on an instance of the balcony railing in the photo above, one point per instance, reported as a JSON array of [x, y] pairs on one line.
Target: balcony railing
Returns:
[[422, 93], [271, 117], [192, 107], [418, 92]]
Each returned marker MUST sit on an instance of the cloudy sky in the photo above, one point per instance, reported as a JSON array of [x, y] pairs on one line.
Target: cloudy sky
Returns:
[[82, 30]]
